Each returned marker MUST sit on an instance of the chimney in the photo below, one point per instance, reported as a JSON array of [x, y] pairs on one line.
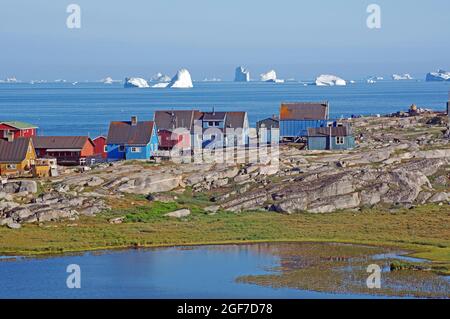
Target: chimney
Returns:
[[134, 120], [10, 136]]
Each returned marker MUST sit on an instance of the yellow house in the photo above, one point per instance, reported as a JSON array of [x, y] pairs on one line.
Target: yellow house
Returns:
[[16, 157]]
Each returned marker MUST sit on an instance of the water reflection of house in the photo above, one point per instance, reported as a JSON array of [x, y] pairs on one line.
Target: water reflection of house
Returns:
[[16, 157]]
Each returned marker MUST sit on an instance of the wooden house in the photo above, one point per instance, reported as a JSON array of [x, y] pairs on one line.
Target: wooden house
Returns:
[[67, 150], [176, 128], [297, 118], [131, 140], [16, 129], [100, 147], [17, 156], [331, 138], [268, 129], [225, 129]]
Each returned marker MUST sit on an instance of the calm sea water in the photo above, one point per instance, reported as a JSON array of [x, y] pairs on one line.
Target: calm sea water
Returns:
[[195, 272], [87, 108]]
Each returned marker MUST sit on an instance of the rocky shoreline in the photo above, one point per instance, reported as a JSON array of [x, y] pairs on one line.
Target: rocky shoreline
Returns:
[[400, 161]]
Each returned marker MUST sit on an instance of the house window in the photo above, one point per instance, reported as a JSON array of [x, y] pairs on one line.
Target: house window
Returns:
[[216, 123], [339, 140], [122, 148], [210, 123], [135, 150], [11, 166], [105, 149]]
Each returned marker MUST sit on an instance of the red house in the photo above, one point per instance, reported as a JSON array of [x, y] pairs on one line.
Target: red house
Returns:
[[68, 150], [100, 146], [16, 129]]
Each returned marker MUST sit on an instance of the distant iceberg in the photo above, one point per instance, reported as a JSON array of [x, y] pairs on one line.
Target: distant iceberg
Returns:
[[330, 80], [160, 78], [270, 76], [11, 80], [440, 76], [107, 80], [182, 80], [241, 74], [135, 83], [401, 77], [161, 85]]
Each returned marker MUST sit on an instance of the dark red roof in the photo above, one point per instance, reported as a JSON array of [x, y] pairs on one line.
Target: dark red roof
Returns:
[[173, 119], [61, 142], [126, 133], [15, 151]]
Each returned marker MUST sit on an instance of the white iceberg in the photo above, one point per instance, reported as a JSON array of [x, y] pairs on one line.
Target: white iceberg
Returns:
[[135, 83], [330, 80], [182, 80], [401, 77], [270, 76], [160, 78], [11, 80], [440, 76], [160, 85], [241, 74], [107, 80]]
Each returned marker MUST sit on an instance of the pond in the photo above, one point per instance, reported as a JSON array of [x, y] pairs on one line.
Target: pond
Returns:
[[288, 270]]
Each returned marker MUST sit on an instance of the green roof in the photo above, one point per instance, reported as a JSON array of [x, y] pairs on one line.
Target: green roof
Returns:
[[19, 125]]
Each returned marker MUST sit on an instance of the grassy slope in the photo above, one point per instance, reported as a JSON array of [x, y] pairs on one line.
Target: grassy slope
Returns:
[[424, 230]]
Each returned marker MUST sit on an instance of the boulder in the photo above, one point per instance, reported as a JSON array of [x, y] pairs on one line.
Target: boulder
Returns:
[[179, 213], [13, 225]]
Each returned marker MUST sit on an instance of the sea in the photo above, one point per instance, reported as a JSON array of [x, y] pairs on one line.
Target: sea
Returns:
[[87, 108]]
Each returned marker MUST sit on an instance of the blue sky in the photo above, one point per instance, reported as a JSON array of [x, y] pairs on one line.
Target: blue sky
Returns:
[[299, 39]]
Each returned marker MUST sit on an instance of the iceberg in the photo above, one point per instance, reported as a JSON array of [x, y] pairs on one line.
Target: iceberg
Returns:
[[11, 80], [270, 76], [182, 80], [160, 85], [135, 83], [241, 75], [159, 78], [330, 80], [107, 80], [400, 77], [440, 76]]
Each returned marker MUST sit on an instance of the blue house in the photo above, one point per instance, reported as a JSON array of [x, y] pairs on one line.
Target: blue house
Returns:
[[330, 138], [131, 140], [297, 118]]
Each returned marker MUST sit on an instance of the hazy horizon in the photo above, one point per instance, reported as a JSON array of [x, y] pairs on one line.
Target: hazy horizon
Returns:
[[299, 39]]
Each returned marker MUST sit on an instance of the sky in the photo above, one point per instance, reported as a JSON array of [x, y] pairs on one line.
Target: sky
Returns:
[[299, 39]]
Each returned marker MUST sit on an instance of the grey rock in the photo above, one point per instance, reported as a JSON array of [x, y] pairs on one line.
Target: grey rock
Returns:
[[179, 213]]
